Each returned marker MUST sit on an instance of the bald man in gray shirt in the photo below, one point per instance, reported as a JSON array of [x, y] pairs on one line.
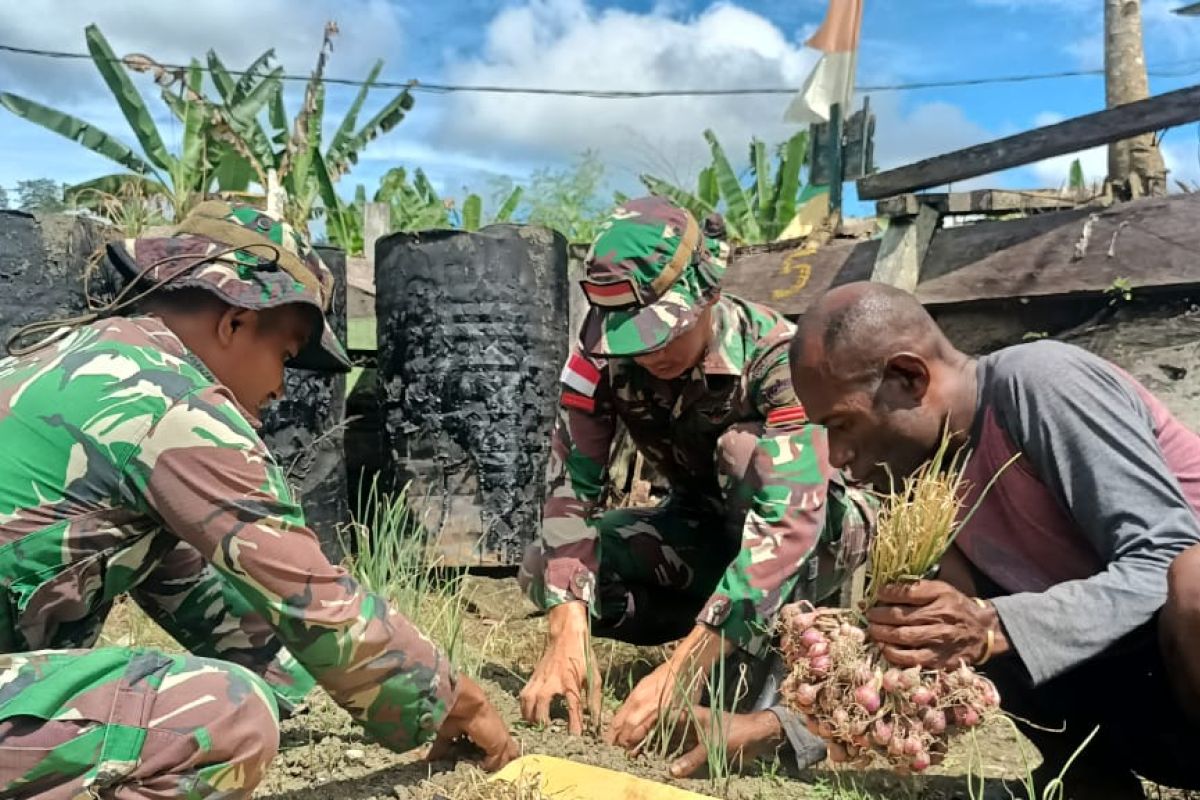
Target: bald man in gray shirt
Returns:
[[1074, 586]]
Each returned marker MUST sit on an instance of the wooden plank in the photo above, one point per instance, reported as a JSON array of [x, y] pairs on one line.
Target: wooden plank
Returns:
[[1157, 247], [789, 275], [903, 249], [376, 222], [1152, 243], [1070, 136], [985, 201]]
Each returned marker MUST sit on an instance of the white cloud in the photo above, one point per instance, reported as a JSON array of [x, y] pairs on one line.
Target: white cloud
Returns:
[[567, 43]]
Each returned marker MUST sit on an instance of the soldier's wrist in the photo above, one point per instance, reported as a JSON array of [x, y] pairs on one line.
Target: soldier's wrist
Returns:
[[568, 618]]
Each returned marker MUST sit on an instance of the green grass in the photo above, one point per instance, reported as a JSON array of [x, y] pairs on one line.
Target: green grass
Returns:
[[393, 558]]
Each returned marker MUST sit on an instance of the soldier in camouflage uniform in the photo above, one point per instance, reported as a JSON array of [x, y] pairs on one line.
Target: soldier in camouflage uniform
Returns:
[[755, 515], [131, 464]]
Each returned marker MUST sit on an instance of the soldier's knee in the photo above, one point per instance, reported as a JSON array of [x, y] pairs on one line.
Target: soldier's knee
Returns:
[[735, 448], [244, 730]]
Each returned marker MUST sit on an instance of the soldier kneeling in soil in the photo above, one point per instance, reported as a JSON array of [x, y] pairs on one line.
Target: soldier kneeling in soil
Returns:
[[755, 515], [1085, 552], [131, 463]]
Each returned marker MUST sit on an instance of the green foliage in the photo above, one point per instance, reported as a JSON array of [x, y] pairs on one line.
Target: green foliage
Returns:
[[1075, 180], [755, 211], [1119, 291], [568, 199], [394, 558], [42, 195], [182, 178]]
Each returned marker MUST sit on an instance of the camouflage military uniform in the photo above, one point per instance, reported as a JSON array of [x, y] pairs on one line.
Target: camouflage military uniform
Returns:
[[127, 468], [755, 517]]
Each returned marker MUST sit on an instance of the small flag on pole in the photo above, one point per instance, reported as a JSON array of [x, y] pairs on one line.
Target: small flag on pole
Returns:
[[832, 79]]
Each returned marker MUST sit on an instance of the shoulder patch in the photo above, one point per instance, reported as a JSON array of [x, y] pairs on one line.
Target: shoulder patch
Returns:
[[786, 416], [581, 374]]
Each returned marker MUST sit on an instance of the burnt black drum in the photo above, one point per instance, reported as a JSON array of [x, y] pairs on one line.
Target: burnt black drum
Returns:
[[43, 261], [305, 431], [472, 331]]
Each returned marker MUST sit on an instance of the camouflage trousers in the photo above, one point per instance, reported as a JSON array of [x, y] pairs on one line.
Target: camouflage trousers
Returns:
[[130, 723], [658, 566]]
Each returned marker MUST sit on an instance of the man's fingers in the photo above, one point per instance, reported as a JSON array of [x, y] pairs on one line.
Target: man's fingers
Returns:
[[689, 763], [909, 658], [528, 700], [541, 710], [914, 593], [595, 697], [896, 614], [909, 636], [440, 749], [574, 718]]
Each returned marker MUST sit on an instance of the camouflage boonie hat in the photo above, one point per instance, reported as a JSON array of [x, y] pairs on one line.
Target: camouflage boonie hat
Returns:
[[272, 266], [649, 275]]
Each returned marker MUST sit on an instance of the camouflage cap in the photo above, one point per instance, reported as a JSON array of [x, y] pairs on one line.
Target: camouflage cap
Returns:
[[270, 265], [649, 275]]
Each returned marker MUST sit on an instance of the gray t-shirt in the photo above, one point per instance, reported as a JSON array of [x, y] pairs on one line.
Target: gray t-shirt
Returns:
[[1081, 530]]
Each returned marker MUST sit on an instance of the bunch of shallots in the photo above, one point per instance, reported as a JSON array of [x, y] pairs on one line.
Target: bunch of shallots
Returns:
[[850, 695], [855, 700]]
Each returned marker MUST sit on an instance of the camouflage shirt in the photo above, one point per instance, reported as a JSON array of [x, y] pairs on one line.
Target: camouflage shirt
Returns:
[[744, 377], [127, 468]]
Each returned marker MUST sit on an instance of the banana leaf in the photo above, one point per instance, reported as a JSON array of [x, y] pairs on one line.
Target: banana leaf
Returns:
[[764, 201], [472, 212], [111, 185], [251, 76], [336, 222], [509, 207], [191, 168], [738, 215], [708, 192], [387, 118], [790, 163], [342, 136], [130, 102], [75, 129], [221, 78]]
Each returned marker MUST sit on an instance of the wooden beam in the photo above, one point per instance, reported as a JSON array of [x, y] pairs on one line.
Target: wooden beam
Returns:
[[1069, 136], [903, 249], [982, 201], [376, 221]]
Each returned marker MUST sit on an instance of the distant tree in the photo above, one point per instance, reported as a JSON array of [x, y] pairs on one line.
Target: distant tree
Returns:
[[40, 194], [569, 199], [3, 198]]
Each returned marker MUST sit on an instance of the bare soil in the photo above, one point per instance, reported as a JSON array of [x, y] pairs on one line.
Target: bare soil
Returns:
[[324, 755]]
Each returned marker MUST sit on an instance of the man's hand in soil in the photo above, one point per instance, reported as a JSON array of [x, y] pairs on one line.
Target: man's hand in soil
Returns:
[[930, 624], [474, 717], [564, 670], [746, 738], [694, 656]]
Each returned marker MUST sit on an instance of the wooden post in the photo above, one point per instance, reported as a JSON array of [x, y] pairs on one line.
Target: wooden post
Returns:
[[835, 160], [903, 249], [376, 221]]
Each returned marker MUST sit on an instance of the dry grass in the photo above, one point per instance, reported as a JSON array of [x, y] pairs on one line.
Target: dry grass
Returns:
[[527, 786], [917, 524]]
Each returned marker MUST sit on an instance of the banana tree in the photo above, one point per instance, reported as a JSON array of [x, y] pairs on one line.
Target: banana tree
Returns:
[[293, 150], [180, 178], [754, 213]]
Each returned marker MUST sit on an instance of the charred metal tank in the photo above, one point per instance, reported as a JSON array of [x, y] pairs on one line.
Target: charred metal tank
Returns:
[[472, 330], [305, 431]]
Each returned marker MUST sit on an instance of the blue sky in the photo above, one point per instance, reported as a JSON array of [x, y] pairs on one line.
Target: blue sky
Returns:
[[470, 140]]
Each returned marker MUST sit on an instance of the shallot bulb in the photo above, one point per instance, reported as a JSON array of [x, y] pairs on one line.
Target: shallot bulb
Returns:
[[868, 698], [806, 694], [920, 762], [891, 680]]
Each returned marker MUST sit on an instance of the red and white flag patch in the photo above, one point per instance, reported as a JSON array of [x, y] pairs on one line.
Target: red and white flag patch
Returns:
[[611, 295], [570, 399], [581, 374]]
